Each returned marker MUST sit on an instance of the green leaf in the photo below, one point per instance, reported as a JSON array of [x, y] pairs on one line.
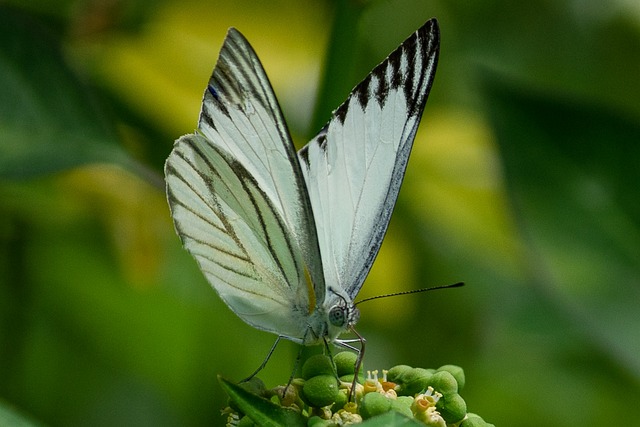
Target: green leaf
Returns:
[[339, 73], [49, 120], [572, 175], [262, 411], [10, 417]]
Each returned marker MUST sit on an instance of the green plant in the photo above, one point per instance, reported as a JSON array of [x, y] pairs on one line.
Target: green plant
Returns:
[[320, 398]]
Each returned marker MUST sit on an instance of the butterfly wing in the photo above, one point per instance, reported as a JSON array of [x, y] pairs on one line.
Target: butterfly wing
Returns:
[[239, 202], [241, 243], [241, 114], [354, 167]]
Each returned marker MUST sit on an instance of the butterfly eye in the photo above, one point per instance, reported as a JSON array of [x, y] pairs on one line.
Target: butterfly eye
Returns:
[[338, 315], [343, 315]]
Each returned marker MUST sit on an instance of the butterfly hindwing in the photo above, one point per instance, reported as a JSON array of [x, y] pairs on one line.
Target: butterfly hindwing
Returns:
[[354, 167], [232, 229]]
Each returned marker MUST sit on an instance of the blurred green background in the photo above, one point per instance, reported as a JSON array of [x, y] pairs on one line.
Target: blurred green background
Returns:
[[523, 183]]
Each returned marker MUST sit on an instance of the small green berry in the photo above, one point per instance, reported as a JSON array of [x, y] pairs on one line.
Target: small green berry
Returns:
[[396, 373], [316, 421], [457, 373], [321, 390], [318, 364], [349, 378], [414, 381], [403, 405], [452, 407], [345, 362], [405, 400], [473, 422], [341, 400], [374, 404], [443, 382]]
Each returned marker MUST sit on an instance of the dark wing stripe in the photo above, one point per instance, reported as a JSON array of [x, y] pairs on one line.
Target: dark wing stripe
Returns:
[[188, 233], [262, 218], [207, 180], [251, 187]]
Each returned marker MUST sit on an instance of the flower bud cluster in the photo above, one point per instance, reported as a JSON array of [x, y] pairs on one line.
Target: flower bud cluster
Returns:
[[430, 396]]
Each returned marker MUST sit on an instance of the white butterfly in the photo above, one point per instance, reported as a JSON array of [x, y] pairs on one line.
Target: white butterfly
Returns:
[[287, 239]]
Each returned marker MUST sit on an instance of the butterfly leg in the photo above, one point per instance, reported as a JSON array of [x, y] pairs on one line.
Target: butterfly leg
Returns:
[[264, 362], [360, 351], [297, 363], [330, 354]]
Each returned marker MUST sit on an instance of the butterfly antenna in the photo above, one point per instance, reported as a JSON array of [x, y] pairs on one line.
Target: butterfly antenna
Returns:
[[414, 291]]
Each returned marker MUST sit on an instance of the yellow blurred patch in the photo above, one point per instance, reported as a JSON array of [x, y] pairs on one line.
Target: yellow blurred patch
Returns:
[[135, 214], [163, 70], [393, 271], [454, 185]]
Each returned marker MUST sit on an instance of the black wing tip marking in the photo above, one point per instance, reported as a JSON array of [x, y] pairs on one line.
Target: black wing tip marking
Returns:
[[319, 140], [234, 33], [304, 154], [230, 82], [420, 51]]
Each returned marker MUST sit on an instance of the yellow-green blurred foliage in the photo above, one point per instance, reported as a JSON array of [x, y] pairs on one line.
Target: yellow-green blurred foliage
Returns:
[[523, 183]]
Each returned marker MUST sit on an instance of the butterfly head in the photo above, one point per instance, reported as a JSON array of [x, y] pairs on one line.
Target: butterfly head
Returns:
[[344, 313]]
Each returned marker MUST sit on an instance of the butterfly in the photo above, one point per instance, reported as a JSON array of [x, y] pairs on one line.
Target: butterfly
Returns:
[[287, 239]]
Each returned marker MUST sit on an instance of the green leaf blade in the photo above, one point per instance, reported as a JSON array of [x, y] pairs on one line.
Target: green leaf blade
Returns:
[[49, 120], [260, 410], [572, 174]]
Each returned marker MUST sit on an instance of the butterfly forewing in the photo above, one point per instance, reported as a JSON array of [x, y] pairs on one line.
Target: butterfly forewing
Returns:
[[354, 167], [240, 114]]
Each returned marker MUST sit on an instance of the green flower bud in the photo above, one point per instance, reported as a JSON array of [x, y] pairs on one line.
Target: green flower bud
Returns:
[[403, 405], [457, 373], [396, 373], [443, 382], [414, 381], [318, 364], [452, 407], [374, 404], [321, 390], [345, 362]]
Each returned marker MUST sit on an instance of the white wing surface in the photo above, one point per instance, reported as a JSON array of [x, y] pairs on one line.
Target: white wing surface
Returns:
[[241, 115], [236, 234], [354, 167]]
